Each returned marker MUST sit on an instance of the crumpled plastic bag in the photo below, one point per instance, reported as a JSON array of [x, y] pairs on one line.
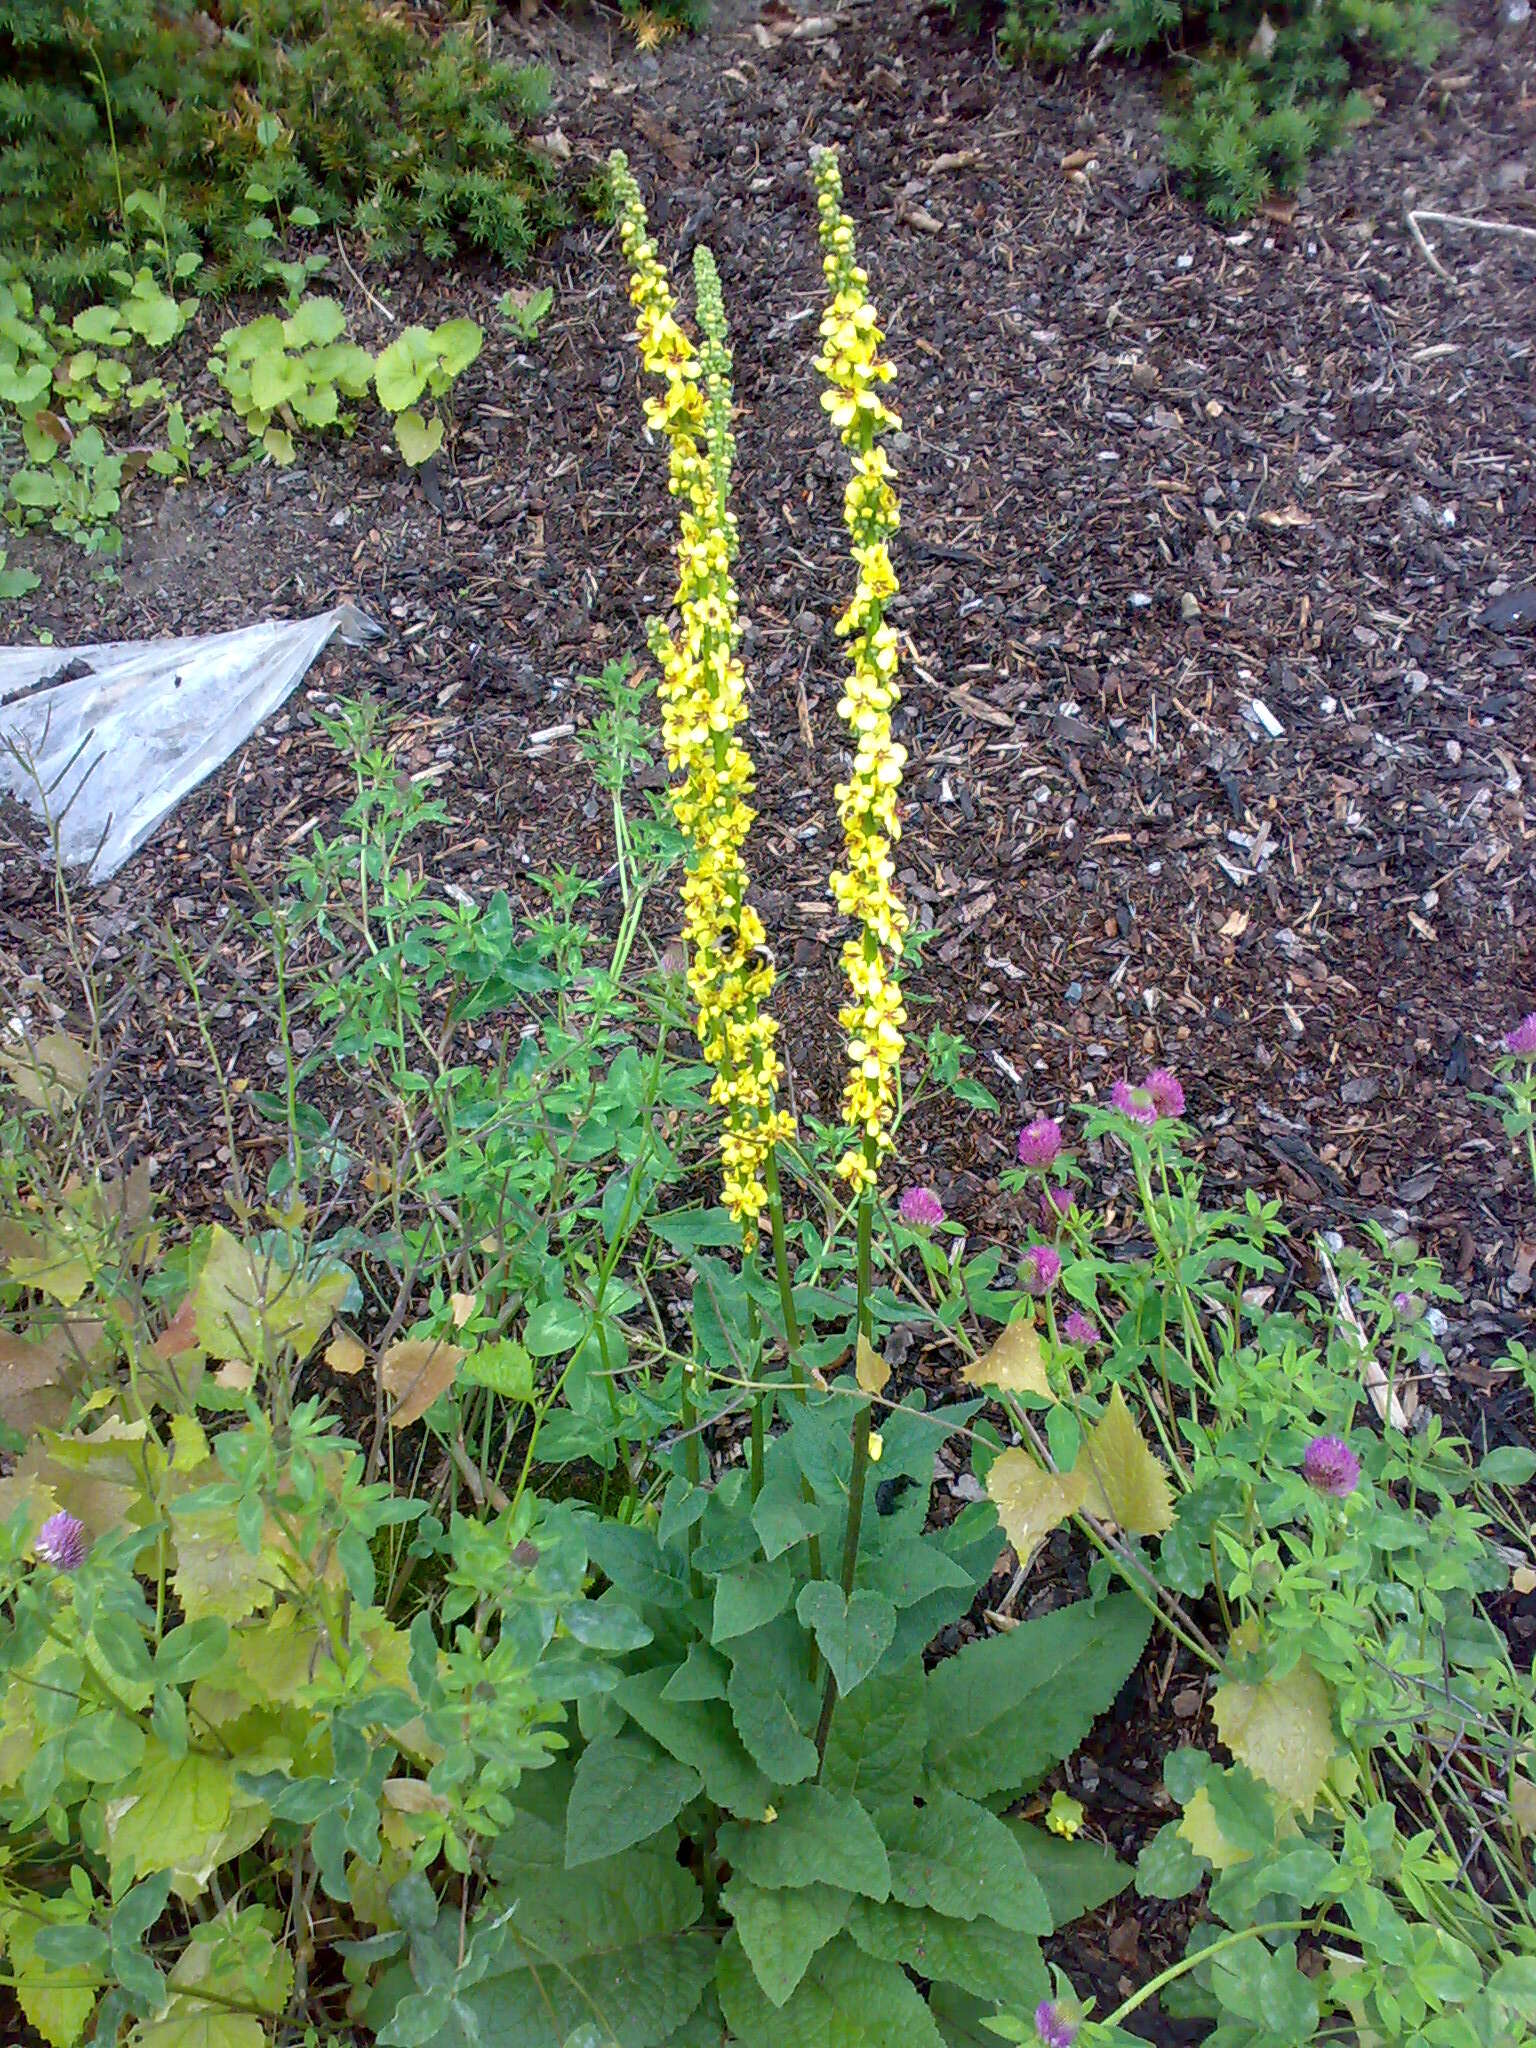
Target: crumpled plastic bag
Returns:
[[128, 728]]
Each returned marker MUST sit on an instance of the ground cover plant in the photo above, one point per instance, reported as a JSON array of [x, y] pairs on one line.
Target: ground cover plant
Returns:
[[1258, 92], [493, 1584], [344, 114]]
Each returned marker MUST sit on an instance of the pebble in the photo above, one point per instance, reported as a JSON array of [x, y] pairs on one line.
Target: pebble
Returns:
[[1189, 606], [1074, 992]]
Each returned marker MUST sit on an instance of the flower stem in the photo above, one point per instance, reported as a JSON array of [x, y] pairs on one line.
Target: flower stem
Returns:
[[1150, 1989]]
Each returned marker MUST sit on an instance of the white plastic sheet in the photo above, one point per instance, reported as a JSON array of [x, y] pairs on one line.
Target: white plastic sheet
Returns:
[[109, 752]]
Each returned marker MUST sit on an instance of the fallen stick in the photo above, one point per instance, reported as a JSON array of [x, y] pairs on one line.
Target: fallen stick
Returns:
[[1459, 220]]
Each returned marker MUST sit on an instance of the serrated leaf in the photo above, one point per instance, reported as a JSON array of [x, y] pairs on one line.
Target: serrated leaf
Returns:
[[853, 1635], [782, 1518], [504, 1367], [747, 1598], [1030, 1501], [413, 1372], [1076, 1877], [702, 1675], [773, 1702], [956, 1857], [1201, 1830], [875, 1748], [781, 1930], [912, 1570], [1282, 1729], [613, 1947], [625, 1790], [249, 1307], [176, 1817], [1004, 1709], [1126, 1485], [992, 1961], [846, 1999], [700, 1733], [58, 1998], [818, 1836], [870, 1369], [1015, 1364]]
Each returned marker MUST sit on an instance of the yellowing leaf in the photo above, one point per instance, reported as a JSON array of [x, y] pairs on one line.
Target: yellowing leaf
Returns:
[[1202, 1831], [870, 1369], [1030, 1501], [215, 1573], [1282, 1729], [463, 1306], [58, 1998], [49, 1072], [176, 1812], [1015, 1364], [189, 1443], [1522, 1804], [1125, 1484], [249, 1307], [38, 1378], [414, 1372], [345, 1355]]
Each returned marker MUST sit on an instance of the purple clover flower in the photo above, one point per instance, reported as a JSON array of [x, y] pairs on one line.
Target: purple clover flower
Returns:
[[61, 1542], [1039, 1269], [1331, 1467], [1166, 1091], [920, 1208], [1054, 1204], [1053, 2029], [1522, 1040], [1040, 1142], [1139, 1104], [1081, 1329]]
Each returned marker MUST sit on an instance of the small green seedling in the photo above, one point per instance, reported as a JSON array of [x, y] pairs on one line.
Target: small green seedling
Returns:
[[282, 375], [15, 582], [422, 362], [526, 311]]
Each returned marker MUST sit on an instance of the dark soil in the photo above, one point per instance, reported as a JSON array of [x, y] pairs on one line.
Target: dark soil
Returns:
[[1220, 757]]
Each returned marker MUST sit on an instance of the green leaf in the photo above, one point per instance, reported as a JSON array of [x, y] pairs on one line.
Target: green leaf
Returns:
[[954, 1856], [418, 440], [994, 1962], [400, 374], [504, 1366], [609, 1952], [876, 1744], [911, 1570], [57, 1997], [745, 1599], [845, 2000], [1004, 1710], [249, 1306], [773, 1702], [1076, 1877], [625, 1790], [457, 342], [315, 322], [782, 1518], [853, 1635], [699, 1733], [781, 1930], [817, 1836], [184, 1814], [102, 326], [633, 1560], [555, 1327], [702, 1675], [1168, 1867]]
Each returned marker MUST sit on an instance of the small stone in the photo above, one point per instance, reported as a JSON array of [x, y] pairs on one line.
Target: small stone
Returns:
[[1189, 606], [1074, 992]]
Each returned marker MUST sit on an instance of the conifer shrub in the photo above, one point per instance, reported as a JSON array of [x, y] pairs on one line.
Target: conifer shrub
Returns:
[[1260, 89], [337, 112]]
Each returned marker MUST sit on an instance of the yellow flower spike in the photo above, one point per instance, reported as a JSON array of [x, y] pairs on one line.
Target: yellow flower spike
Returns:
[[866, 803], [704, 704]]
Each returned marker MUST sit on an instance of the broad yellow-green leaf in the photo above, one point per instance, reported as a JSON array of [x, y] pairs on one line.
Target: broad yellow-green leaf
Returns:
[[50, 1072], [1282, 1729], [250, 1307], [1201, 1829], [57, 1998], [1015, 1364], [816, 1836], [193, 2023], [870, 1369], [418, 439], [214, 1572], [1126, 1485], [174, 1818], [1030, 1501]]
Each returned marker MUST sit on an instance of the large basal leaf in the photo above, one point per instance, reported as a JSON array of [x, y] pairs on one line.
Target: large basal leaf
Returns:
[[781, 1930], [1003, 1710], [817, 1836], [993, 1962], [1031, 1501], [1127, 1486], [699, 1733], [846, 1999], [1076, 1877], [1016, 1364], [974, 1542], [612, 1947], [746, 1598], [875, 1748], [952, 1855], [625, 1791], [773, 1702]]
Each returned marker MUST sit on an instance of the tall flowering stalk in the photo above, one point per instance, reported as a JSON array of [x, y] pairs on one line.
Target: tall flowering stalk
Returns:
[[855, 372], [703, 697]]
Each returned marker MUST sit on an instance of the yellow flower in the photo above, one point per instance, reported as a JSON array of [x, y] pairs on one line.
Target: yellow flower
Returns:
[[1065, 1816], [704, 704], [855, 370]]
